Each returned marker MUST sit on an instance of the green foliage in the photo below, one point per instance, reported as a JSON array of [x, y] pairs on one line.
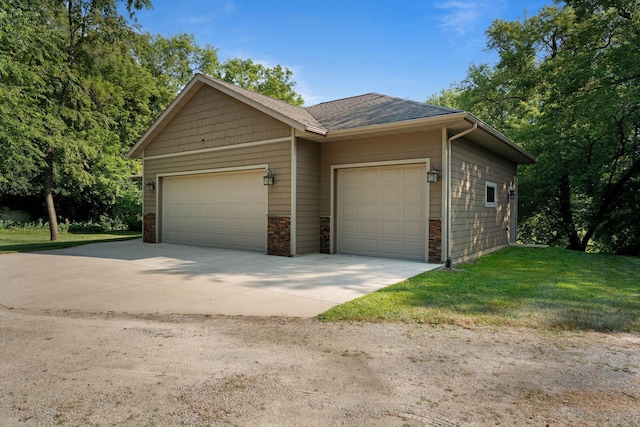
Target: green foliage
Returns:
[[173, 61], [567, 89], [275, 82], [106, 224], [78, 87], [549, 288]]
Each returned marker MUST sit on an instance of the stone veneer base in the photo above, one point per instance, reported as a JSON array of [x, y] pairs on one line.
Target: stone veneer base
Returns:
[[149, 228], [325, 235], [279, 235], [435, 241]]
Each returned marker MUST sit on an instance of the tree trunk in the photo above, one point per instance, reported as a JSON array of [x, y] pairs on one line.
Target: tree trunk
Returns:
[[567, 216], [48, 198]]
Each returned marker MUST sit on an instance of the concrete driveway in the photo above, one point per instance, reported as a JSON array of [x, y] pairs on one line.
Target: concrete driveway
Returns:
[[134, 277]]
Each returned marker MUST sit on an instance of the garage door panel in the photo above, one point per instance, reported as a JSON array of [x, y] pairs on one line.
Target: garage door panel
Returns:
[[413, 212], [413, 192], [369, 227], [368, 246], [368, 211], [391, 228], [392, 211], [381, 211], [226, 210], [410, 229]]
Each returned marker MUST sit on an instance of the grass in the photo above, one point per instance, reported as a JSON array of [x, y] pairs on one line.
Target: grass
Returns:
[[29, 241], [548, 288]]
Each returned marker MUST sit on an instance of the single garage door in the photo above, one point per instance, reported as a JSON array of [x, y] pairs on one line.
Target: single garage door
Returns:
[[382, 211], [224, 210]]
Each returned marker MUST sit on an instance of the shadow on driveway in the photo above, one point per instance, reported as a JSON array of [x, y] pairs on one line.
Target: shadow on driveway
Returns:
[[131, 276]]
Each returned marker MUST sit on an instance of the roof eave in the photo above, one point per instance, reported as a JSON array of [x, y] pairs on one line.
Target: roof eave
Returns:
[[525, 157], [200, 79], [137, 150], [442, 120], [263, 108]]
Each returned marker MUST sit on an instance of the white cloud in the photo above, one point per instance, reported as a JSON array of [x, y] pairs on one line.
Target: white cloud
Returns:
[[229, 7], [463, 17]]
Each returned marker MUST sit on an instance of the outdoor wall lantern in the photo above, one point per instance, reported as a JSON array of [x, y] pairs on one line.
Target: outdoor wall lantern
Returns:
[[512, 192], [268, 179], [432, 175], [150, 185]]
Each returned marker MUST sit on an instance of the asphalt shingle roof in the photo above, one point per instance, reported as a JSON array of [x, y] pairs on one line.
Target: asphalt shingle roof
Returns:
[[348, 113], [298, 114], [340, 115], [372, 109]]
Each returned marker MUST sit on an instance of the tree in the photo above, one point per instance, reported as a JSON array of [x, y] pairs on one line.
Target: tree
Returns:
[[275, 82], [567, 88], [52, 54], [78, 86], [173, 61]]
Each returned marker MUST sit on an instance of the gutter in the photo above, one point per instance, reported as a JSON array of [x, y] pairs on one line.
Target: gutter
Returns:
[[448, 191], [315, 129]]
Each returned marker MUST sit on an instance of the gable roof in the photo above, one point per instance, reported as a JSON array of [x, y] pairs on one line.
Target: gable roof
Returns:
[[343, 118], [372, 109], [296, 114]]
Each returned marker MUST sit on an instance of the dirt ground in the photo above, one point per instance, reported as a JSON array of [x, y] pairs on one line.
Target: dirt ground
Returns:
[[106, 369]]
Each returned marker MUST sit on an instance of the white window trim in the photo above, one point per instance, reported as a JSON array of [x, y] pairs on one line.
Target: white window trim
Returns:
[[487, 203]]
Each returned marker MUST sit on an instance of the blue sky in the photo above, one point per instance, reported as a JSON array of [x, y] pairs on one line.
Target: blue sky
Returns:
[[337, 49]]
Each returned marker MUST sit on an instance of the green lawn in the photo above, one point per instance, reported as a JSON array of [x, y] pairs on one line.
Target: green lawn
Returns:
[[548, 288], [29, 241]]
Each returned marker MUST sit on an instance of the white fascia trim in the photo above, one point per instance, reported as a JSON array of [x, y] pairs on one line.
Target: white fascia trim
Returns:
[[495, 133], [258, 106], [164, 114], [220, 148]]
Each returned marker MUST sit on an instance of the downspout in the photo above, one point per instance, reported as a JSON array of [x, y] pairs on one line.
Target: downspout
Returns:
[[449, 263]]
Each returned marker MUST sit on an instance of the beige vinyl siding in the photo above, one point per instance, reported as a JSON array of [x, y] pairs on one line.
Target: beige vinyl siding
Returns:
[[213, 119], [382, 149], [308, 197], [276, 155], [475, 228]]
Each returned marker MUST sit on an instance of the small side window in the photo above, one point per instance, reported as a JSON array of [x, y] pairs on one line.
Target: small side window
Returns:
[[490, 194]]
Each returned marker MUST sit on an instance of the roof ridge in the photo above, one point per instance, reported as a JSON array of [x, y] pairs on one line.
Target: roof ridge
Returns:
[[424, 104], [344, 99]]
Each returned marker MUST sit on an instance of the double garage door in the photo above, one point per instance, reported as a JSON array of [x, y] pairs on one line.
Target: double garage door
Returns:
[[382, 211], [224, 210]]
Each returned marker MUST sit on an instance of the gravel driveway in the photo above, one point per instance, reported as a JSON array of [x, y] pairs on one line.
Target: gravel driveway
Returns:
[[72, 368]]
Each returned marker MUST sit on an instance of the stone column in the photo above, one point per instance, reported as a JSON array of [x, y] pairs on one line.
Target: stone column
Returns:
[[279, 235], [325, 235], [149, 228], [435, 241]]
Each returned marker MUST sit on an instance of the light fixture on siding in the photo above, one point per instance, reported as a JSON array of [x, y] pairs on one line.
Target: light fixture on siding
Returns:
[[512, 192], [150, 185], [432, 174], [268, 179]]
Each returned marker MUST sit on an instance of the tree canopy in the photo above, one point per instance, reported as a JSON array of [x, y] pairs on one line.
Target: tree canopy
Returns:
[[78, 86], [567, 88]]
